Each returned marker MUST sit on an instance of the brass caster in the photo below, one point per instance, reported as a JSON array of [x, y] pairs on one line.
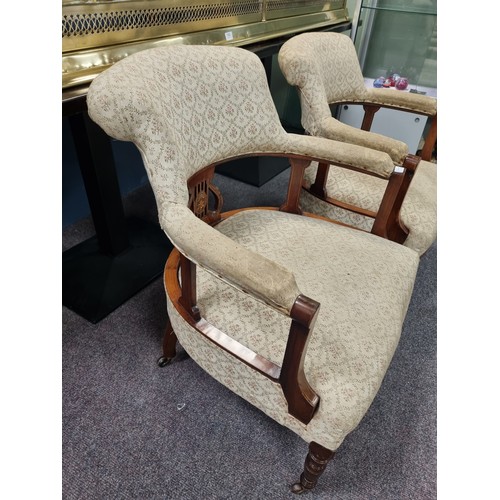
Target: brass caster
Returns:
[[297, 488], [164, 361]]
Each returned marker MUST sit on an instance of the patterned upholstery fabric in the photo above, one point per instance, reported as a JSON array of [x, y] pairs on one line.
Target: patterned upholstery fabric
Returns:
[[410, 102], [418, 213], [325, 69], [186, 107], [364, 284]]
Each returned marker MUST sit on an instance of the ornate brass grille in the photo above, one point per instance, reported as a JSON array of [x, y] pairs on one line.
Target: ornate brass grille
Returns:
[[98, 33], [313, 5], [102, 22]]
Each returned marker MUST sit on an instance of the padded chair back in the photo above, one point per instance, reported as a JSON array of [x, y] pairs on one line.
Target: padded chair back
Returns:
[[180, 106], [325, 69]]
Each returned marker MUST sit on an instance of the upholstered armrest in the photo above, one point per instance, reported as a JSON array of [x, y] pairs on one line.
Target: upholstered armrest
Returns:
[[332, 151], [414, 103], [332, 128], [231, 262], [263, 279]]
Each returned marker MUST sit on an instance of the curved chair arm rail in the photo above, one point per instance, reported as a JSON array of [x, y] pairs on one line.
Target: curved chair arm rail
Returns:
[[403, 101], [387, 222], [320, 149], [308, 149], [301, 398], [343, 154]]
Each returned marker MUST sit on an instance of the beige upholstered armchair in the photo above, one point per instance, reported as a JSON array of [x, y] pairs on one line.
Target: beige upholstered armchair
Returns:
[[296, 314], [324, 68]]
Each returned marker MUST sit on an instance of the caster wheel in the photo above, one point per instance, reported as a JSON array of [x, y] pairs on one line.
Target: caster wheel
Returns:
[[298, 489], [163, 361]]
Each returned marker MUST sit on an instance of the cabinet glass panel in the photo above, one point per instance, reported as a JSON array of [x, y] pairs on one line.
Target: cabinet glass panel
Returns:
[[399, 36], [418, 6]]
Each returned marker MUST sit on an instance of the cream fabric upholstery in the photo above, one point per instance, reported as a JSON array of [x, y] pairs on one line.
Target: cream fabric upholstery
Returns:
[[418, 213], [182, 120], [224, 257], [325, 69], [364, 284], [186, 107], [409, 102]]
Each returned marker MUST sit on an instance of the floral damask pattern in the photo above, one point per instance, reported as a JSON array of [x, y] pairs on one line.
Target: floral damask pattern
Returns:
[[418, 212], [188, 106], [364, 284], [325, 69]]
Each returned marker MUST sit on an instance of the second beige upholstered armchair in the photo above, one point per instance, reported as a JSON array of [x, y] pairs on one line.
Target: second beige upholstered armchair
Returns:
[[325, 70], [296, 314]]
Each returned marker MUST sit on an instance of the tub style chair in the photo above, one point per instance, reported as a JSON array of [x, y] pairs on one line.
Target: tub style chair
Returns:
[[325, 70], [296, 314]]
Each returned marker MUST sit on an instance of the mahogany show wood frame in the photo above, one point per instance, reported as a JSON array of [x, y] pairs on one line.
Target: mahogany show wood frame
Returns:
[[180, 285]]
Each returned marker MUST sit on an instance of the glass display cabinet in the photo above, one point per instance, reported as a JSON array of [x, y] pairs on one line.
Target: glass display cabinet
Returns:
[[396, 36]]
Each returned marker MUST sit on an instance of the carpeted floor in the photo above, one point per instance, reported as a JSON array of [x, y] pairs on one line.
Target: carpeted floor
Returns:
[[132, 430]]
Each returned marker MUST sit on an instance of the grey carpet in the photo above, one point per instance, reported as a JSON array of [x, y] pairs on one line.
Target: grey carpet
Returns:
[[132, 430]]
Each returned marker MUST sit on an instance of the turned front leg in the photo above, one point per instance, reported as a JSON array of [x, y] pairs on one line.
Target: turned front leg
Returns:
[[169, 346], [316, 461]]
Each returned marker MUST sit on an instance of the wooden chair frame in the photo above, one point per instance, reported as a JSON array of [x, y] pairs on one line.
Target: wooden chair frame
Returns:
[[371, 109], [387, 222], [180, 284]]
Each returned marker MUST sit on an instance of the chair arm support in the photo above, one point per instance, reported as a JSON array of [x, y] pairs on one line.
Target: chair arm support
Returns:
[[414, 103], [332, 151], [301, 398], [238, 266], [387, 223]]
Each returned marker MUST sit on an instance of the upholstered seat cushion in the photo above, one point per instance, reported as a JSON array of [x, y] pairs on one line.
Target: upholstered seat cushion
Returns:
[[418, 213], [363, 283]]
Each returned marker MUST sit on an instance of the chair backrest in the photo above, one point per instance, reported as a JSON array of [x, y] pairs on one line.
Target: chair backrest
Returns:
[[325, 69], [186, 107]]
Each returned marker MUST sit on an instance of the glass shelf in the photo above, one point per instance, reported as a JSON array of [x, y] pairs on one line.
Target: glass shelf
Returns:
[[393, 9], [414, 6]]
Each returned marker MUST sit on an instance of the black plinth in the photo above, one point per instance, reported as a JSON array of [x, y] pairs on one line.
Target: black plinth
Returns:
[[254, 170], [94, 283]]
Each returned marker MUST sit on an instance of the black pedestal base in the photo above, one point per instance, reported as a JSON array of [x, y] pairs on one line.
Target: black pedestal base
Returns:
[[95, 284], [254, 170]]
